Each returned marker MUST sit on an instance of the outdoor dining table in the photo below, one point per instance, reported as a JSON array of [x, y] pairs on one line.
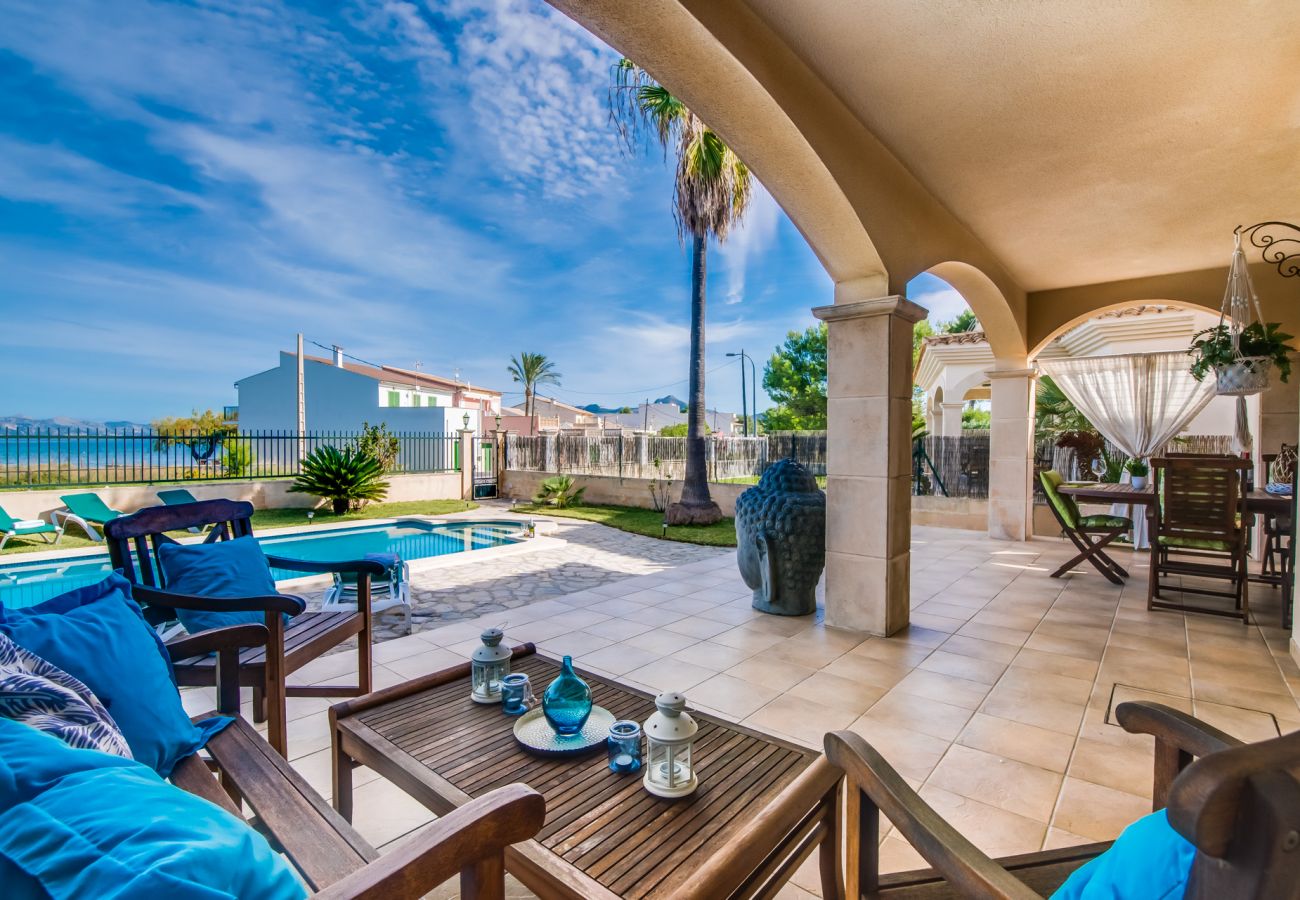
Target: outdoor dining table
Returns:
[[1257, 502]]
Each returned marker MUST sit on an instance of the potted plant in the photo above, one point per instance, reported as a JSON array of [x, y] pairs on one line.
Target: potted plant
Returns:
[[1137, 473], [1243, 369]]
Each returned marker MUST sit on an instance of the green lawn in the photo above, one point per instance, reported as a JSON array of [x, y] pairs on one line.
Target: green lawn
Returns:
[[75, 539], [753, 479], [642, 521]]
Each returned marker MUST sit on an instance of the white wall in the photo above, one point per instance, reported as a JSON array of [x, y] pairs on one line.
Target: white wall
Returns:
[[263, 494]]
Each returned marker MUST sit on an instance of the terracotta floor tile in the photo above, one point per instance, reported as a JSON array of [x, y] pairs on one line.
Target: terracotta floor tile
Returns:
[[778, 674], [1055, 663], [1030, 744], [832, 690], [995, 831], [932, 717], [1125, 768], [669, 675], [732, 696], [1244, 724], [1095, 811], [892, 651], [1047, 685], [869, 670], [617, 659], [804, 720], [619, 629], [1014, 637], [1055, 715], [660, 641], [998, 781], [912, 753], [711, 656], [696, 627], [945, 688], [992, 651], [745, 637], [981, 670]]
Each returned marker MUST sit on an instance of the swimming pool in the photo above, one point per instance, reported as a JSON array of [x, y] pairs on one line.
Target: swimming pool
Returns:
[[29, 583]]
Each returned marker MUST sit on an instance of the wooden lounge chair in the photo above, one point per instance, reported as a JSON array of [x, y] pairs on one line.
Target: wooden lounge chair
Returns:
[[307, 636], [1199, 531], [1081, 530], [11, 527], [86, 511], [334, 860], [1239, 804]]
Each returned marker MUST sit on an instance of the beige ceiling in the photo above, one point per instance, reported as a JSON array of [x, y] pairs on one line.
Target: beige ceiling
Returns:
[[1083, 142]]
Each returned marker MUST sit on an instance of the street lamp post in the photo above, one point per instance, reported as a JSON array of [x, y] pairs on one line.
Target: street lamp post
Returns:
[[753, 369]]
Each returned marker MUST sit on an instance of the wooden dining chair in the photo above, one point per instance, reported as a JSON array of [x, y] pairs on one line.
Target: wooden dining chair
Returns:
[[133, 543], [1082, 530], [1199, 531]]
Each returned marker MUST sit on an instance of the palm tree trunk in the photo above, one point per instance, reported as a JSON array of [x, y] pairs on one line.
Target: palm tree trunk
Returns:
[[696, 506], [528, 400]]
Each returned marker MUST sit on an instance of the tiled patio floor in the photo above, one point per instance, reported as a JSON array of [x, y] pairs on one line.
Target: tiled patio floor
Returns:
[[993, 704]]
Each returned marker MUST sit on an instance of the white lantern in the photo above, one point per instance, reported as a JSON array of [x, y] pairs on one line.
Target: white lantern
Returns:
[[669, 770], [489, 664]]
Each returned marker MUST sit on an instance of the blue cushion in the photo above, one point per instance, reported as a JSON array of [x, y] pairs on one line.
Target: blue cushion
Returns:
[[228, 569], [39, 694], [85, 824], [1149, 861], [98, 636]]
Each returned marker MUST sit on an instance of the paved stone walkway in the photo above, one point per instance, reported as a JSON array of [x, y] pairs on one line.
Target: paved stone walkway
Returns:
[[592, 555]]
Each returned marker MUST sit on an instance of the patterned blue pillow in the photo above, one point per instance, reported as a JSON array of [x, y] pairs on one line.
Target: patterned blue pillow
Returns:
[[42, 695]]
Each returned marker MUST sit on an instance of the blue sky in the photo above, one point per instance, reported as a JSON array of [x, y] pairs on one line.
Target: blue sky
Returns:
[[185, 186]]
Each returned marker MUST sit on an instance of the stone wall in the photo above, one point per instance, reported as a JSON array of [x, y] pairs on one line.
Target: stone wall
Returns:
[[609, 490], [263, 493]]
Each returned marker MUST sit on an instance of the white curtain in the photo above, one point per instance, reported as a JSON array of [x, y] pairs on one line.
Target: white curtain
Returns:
[[1138, 402]]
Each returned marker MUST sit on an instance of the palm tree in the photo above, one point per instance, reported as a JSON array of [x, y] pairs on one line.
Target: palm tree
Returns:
[[530, 370], [711, 194]]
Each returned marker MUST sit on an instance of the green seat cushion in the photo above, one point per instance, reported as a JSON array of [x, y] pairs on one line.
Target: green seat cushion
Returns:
[[1065, 506], [1195, 543], [1105, 521]]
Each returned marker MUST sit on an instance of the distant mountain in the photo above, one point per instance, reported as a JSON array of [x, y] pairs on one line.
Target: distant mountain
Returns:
[[599, 410], [66, 423], [680, 404]]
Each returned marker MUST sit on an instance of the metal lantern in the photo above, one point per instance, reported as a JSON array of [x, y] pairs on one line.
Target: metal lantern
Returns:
[[669, 769], [488, 665]]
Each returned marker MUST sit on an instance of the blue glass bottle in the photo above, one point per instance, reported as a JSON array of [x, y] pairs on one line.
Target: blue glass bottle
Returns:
[[567, 702]]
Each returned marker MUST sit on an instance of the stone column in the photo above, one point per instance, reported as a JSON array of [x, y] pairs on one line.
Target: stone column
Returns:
[[868, 460], [1011, 454], [951, 422], [466, 464]]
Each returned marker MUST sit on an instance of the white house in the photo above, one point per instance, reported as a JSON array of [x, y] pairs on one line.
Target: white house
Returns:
[[341, 395], [952, 369]]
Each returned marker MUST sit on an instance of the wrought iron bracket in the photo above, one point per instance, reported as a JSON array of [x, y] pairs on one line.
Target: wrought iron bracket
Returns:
[[1279, 243]]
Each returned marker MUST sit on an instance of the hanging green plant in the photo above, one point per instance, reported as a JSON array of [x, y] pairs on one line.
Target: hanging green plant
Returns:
[[1259, 346]]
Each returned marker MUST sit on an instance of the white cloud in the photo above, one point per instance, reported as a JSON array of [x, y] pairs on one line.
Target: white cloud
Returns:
[[749, 242], [943, 303], [536, 85]]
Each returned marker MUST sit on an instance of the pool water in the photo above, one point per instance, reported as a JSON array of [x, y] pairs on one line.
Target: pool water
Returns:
[[26, 584]]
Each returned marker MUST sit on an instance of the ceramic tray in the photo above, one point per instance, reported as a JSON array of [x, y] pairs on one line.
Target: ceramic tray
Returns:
[[537, 736]]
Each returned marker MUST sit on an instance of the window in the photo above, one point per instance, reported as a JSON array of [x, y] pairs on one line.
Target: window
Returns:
[[394, 398]]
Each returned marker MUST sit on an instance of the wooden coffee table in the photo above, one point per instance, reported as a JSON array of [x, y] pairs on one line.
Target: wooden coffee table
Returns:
[[762, 807]]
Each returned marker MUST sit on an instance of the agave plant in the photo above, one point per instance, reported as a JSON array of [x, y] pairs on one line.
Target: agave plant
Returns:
[[559, 491], [343, 477]]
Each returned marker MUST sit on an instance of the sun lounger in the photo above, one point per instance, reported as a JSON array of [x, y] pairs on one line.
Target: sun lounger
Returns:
[[11, 527], [177, 496], [86, 510]]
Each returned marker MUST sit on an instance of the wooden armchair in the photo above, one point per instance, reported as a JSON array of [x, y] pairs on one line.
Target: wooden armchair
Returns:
[[333, 859], [1198, 529], [1239, 804], [133, 543]]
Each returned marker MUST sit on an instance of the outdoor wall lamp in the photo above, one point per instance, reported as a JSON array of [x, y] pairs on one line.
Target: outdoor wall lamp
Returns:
[[466, 420], [1279, 243], [498, 421]]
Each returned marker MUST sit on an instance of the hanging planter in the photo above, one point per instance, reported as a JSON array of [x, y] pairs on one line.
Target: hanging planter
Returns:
[[1246, 376], [1241, 349]]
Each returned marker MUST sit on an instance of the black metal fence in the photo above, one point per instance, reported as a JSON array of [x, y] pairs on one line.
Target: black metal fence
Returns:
[[651, 456], [66, 457]]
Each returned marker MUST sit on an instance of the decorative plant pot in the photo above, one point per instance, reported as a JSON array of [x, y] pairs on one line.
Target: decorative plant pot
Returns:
[[1139, 482], [1248, 375]]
